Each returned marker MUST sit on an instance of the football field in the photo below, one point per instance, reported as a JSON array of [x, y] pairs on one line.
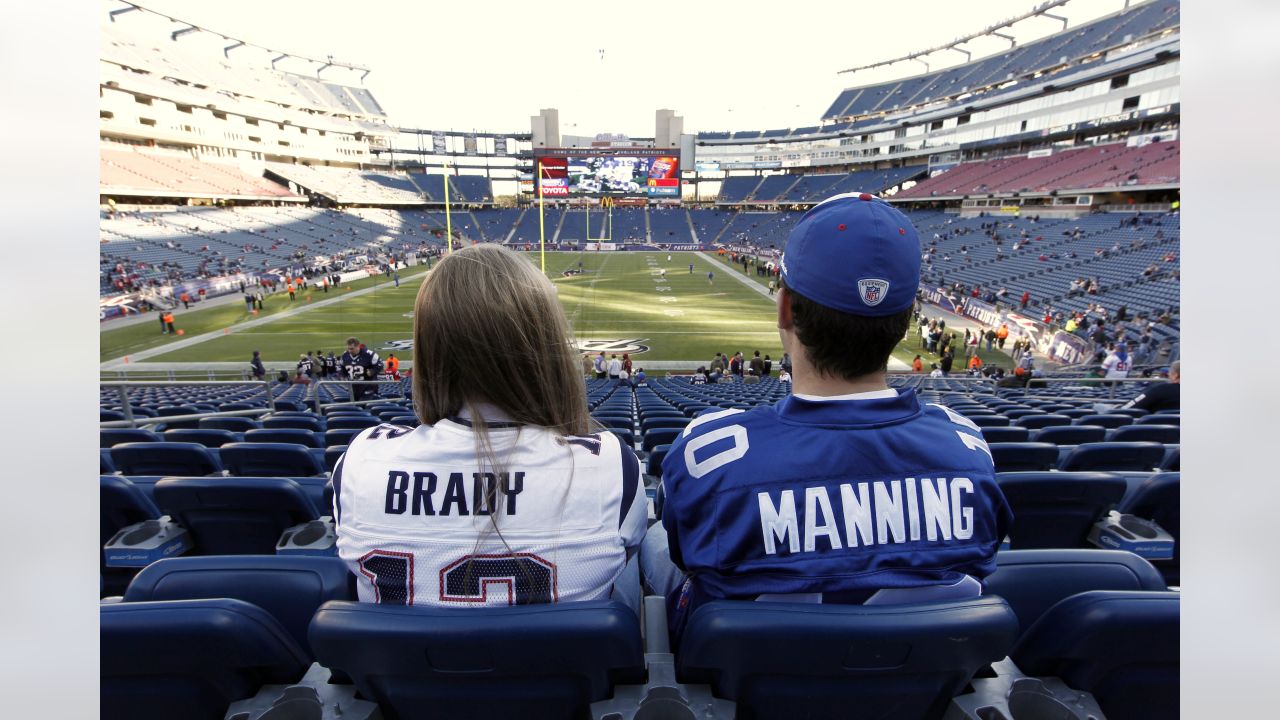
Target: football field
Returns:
[[620, 302]]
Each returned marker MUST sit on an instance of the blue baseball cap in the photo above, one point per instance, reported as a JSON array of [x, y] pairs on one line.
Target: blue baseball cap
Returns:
[[855, 253]]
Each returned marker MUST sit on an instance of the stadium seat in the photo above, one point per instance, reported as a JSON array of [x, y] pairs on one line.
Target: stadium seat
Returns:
[[1056, 509], [105, 415], [1005, 434], [1114, 456], [1165, 434], [1121, 646], [164, 458], [1159, 419], [189, 659], [1135, 413], [1158, 499], [110, 437], [1172, 461], [207, 437], [659, 436], [1032, 581], [984, 421], [1076, 413], [336, 422], [269, 459], [332, 454], [615, 421], [1035, 422], [405, 420], [789, 660], [525, 661], [302, 422], [1018, 456], [290, 587], [1071, 434], [232, 423], [305, 438], [1107, 420], [229, 407], [235, 516], [1015, 413], [120, 504], [341, 436], [663, 421], [653, 464], [176, 410], [105, 464], [626, 436]]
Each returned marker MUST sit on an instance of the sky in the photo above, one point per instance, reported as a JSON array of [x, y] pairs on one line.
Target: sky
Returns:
[[488, 66]]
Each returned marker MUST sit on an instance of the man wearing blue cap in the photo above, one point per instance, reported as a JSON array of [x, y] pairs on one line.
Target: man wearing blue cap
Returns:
[[846, 491]]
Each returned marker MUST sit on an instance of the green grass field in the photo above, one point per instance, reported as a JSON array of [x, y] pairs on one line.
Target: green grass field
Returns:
[[619, 297]]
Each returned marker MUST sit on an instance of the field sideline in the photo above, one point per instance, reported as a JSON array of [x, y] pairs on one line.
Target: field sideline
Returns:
[[619, 301]]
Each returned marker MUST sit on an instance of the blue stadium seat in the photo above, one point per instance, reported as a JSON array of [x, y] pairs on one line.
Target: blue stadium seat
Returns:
[[270, 459], [985, 421], [1076, 413], [1159, 419], [207, 437], [659, 436], [290, 587], [1106, 420], [405, 420], [189, 659], [653, 464], [1032, 581], [1019, 456], [353, 422], [235, 516], [1172, 461], [1165, 434], [1121, 646], [297, 436], [303, 422], [790, 660], [1015, 413], [626, 436], [1035, 422], [110, 437], [232, 423], [526, 661], [1071, 434], [1005, 434], [120, 504], [105, 415], [164, 458], [341, 436], [652, 422], [1114, 456], [615, 421], [1158, 499], [175, 410], [331, 456], [105, 464], [1056, 509]]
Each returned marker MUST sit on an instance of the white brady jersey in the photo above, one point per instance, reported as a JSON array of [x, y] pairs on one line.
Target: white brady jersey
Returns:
[[416, 527]]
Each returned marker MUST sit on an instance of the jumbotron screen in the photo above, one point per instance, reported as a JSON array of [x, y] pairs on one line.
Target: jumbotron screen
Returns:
[[645, 172]]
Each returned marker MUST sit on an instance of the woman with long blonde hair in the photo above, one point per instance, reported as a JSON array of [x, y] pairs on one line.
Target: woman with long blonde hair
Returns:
[[504, 494]]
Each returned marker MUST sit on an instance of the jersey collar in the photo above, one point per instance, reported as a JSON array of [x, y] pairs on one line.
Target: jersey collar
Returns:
[[878, 407]]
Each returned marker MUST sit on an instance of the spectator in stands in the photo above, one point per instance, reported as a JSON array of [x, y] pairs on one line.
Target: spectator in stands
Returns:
[[300, 378], [615, 367], [785, 363], [360, 363], [588, 367], [626, 362], [1160, 396], [768, 366], [640, 377], [1026, 298], [504, 418], [842, 421], [917, 365], [1116, 365], [256, 367], [757, 364]]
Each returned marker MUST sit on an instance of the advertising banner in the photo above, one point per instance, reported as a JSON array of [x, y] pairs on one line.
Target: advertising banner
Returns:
[[438, 142]]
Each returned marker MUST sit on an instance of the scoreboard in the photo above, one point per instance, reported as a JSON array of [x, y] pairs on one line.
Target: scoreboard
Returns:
[[575, 172]]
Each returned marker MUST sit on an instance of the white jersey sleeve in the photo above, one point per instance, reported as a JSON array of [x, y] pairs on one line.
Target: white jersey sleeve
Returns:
[[420, 522]]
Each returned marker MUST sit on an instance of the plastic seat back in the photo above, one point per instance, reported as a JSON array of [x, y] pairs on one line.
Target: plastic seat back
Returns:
[[789, 660], [1114, 457], [1020, 456], [302, 422], [305, 438], [164, 458], [1121, 646], [1032, 581], [1106, 420], [660, 436], [1005, 434], [289, 587], [269, 459], [340, 436], [351, 422], [525, 661], [189, 659], [1057, 509], [232, 423], [207, 437], [1160, 418], [1035, 422], [235, 516], [110, 437], [1070, 434], [120, 504], [1159, 499], [1150, 432], [331, 456], [985, 421]]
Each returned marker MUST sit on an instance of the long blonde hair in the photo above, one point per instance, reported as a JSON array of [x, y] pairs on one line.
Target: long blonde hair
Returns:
[[488, 328]]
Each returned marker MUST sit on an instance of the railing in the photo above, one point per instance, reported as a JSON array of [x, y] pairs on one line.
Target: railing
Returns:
[[131, 421], [1112, 384]]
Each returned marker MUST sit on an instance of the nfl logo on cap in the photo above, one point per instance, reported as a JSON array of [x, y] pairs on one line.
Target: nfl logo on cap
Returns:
[[854, 253], [872, 290]]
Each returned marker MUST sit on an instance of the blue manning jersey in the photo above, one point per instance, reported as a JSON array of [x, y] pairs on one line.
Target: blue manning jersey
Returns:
[[841, 497]]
